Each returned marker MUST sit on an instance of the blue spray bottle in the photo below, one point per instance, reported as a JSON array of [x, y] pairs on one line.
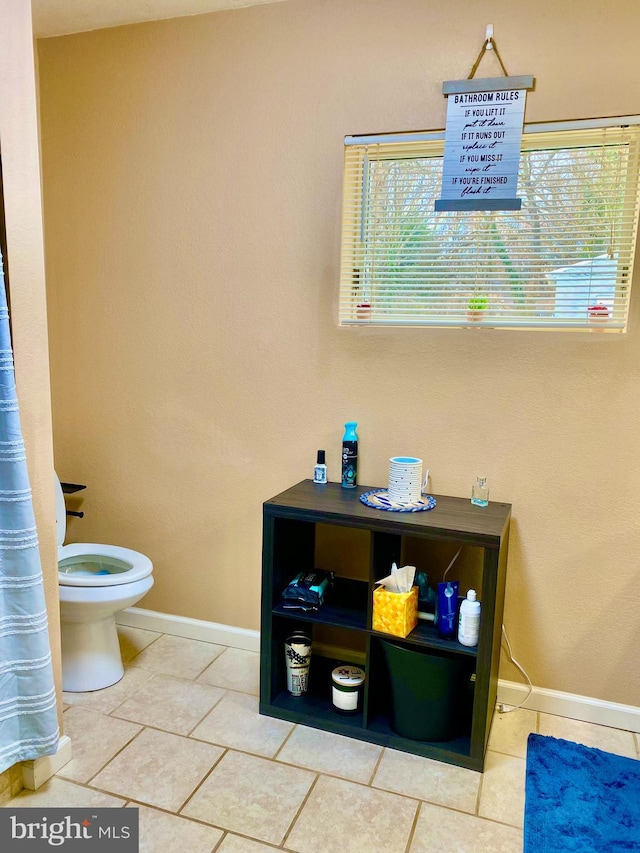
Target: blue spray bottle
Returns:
[[447, 616], [350, 456]]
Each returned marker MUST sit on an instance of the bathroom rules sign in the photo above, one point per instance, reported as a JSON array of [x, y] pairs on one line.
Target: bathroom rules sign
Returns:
[[482, 143]]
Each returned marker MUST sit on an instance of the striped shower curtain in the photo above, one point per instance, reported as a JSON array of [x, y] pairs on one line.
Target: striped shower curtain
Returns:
[[28, 716]]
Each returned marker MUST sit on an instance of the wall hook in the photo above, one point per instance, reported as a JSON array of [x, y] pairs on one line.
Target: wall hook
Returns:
[[489, 44], [489, 37]]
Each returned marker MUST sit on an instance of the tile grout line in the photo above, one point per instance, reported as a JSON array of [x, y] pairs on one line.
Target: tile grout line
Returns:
[[80, 704], [155, 640], [220, 842], [414, 826], [349, 781], [94, 789], [206, 713], [506, 754], [329, 773], [274, 757], [194, 678], [88, 782], [239, 749], [440, 805], [304, 802], [376, 767], [228, 689], [163, 731], [156, 728], [478, 795], [152, 673], [421, 799], [93, 775], [188, 736], [202, 781], [132, 661], [112, 712], [168, 812], [238, 834], [211, 662]]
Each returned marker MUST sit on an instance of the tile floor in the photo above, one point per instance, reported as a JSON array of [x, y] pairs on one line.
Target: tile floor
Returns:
[[181, 739]]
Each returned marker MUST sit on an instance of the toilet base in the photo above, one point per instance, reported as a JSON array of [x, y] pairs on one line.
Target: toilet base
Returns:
[[91, 656]]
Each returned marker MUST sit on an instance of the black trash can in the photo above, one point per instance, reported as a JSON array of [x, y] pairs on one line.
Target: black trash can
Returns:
[[429, 692]]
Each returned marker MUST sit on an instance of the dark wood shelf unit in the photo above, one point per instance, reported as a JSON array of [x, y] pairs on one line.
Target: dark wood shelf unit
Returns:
[[289, 527]]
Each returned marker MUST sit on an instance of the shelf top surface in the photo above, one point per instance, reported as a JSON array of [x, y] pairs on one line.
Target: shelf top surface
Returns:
[[451, 517]]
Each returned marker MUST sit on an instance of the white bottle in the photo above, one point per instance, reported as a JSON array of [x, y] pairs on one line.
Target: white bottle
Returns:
[[469, 620]]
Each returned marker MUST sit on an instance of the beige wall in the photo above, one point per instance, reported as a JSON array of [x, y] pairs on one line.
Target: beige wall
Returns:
[[23, 214], [192, 181]]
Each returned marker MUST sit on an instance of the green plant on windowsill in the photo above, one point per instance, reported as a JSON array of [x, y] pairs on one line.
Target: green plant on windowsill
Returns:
[[476, 306]]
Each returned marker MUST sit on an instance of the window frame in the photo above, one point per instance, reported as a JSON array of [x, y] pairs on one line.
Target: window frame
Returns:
[[351, 287]]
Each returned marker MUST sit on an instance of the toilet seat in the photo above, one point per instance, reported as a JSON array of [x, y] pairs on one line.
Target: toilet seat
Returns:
[[91, 564]]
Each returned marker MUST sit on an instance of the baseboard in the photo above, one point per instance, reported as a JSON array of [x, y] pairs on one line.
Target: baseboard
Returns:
[[584, 708], [192, 629], [38, 771]]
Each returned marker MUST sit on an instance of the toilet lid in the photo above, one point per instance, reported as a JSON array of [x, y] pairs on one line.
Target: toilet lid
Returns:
[[90, 564], [61, 514]]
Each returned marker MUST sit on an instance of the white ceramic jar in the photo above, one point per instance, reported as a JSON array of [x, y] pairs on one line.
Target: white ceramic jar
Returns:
[[346, 689]]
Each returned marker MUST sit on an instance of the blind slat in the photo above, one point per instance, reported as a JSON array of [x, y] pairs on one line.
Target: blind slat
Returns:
[[570, 248]]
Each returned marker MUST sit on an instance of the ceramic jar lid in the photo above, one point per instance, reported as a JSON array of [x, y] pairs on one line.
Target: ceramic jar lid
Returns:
[[348, 676]]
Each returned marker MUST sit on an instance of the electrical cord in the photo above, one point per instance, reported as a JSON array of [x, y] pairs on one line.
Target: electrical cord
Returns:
[[430, 617], [451, 563], [502, 708]]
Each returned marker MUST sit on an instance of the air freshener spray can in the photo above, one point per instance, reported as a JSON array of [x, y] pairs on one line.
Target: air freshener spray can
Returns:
[[350, 456]]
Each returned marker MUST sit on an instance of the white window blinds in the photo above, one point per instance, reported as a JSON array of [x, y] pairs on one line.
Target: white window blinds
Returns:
[[562, 262]]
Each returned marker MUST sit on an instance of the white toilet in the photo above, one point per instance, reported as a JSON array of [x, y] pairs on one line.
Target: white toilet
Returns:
[[95, 581]]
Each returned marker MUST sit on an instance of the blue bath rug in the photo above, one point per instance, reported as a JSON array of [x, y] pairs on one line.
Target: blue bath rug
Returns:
[[579, 799]]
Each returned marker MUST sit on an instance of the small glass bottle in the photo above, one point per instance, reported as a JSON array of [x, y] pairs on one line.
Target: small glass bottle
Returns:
[[350, 456], [480, 492], [320, 470]]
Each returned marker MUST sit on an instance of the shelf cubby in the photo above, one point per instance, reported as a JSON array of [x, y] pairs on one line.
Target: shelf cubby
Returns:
[[345, 606]]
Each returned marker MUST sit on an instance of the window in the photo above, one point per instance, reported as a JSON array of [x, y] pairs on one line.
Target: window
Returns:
[[563, 261]]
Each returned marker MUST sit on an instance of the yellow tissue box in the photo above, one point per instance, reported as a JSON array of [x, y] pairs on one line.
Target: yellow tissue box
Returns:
[[395, 612]]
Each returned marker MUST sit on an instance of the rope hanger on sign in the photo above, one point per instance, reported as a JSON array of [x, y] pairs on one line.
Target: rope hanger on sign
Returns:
[[489, 44], [480, 110]]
